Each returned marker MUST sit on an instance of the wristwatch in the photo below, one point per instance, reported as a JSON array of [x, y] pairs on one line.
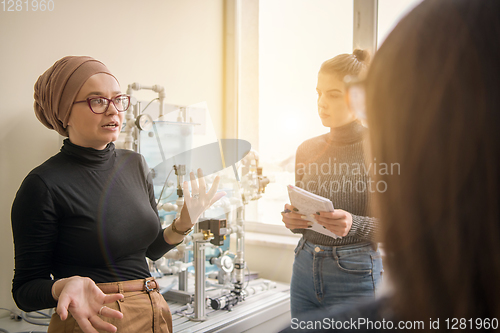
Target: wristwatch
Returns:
[[174, 229]]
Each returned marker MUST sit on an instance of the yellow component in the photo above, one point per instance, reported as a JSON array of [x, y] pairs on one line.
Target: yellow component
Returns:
[[207, 234]]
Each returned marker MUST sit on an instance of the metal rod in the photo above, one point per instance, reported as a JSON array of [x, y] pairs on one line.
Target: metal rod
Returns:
[[199, 279]]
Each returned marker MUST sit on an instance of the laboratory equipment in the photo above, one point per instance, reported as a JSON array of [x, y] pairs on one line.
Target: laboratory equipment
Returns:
[[167, 142]]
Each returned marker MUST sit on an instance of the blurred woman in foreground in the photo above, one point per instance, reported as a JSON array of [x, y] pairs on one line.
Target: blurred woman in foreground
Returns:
[[433, 106]]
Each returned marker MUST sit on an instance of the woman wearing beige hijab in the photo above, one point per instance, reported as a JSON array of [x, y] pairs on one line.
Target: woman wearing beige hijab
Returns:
[[85, 220]]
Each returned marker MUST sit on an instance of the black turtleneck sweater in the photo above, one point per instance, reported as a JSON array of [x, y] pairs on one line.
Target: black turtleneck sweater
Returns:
[[83, 212], [333, 166]]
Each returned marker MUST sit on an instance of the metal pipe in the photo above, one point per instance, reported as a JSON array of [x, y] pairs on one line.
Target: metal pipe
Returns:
[[183, 276], [199, 282], [239, 260], [156, 88]]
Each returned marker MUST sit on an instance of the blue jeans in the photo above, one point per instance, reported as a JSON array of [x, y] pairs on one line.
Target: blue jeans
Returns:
[[328, 277]]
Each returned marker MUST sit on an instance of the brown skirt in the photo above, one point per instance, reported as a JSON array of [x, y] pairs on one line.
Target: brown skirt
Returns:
[[143, 311]]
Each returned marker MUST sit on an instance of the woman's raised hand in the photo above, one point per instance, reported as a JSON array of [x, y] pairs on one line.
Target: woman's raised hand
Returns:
[[85, 301], [200, 200]]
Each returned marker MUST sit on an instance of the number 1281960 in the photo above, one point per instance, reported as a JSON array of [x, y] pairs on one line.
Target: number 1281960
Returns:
[[27, 5]]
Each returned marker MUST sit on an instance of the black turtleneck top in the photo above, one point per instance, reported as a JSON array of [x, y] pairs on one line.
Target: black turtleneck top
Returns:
[[333, 166], [83, 212]]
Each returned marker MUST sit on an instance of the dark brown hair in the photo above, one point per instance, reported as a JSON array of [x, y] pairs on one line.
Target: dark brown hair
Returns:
[[347, 64], [433, 104]]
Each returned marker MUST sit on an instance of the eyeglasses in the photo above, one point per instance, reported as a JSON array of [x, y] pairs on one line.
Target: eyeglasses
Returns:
[[356, 97], [100, 105]]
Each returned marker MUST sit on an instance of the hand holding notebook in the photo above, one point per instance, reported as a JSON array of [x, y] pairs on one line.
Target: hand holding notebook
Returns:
[[308, 204]]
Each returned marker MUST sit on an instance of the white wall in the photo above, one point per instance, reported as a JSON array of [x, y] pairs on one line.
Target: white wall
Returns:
[[177, 44], [271, 255]]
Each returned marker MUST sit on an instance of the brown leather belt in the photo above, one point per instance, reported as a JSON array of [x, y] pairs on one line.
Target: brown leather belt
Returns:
[[148, 284]]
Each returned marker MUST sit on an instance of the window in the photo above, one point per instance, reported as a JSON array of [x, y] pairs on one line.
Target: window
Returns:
[[389, 14], [295, 37]]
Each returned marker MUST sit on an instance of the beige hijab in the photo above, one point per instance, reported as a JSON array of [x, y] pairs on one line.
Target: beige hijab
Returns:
[[56, 89]]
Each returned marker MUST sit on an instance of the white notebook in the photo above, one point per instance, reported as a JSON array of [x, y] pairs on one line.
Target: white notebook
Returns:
[[308, 204]]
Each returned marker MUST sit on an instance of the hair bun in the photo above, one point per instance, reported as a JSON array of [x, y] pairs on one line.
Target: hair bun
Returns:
[[361, 55]]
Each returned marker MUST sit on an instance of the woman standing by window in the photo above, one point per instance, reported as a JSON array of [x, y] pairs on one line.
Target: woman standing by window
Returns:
[[330, 271]]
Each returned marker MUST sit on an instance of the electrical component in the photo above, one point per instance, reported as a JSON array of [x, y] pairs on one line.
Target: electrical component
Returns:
[[180, 172], [216, 228], [225, 302]]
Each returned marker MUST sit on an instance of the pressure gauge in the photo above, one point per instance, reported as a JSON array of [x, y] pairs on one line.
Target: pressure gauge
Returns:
[[144, 122]]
